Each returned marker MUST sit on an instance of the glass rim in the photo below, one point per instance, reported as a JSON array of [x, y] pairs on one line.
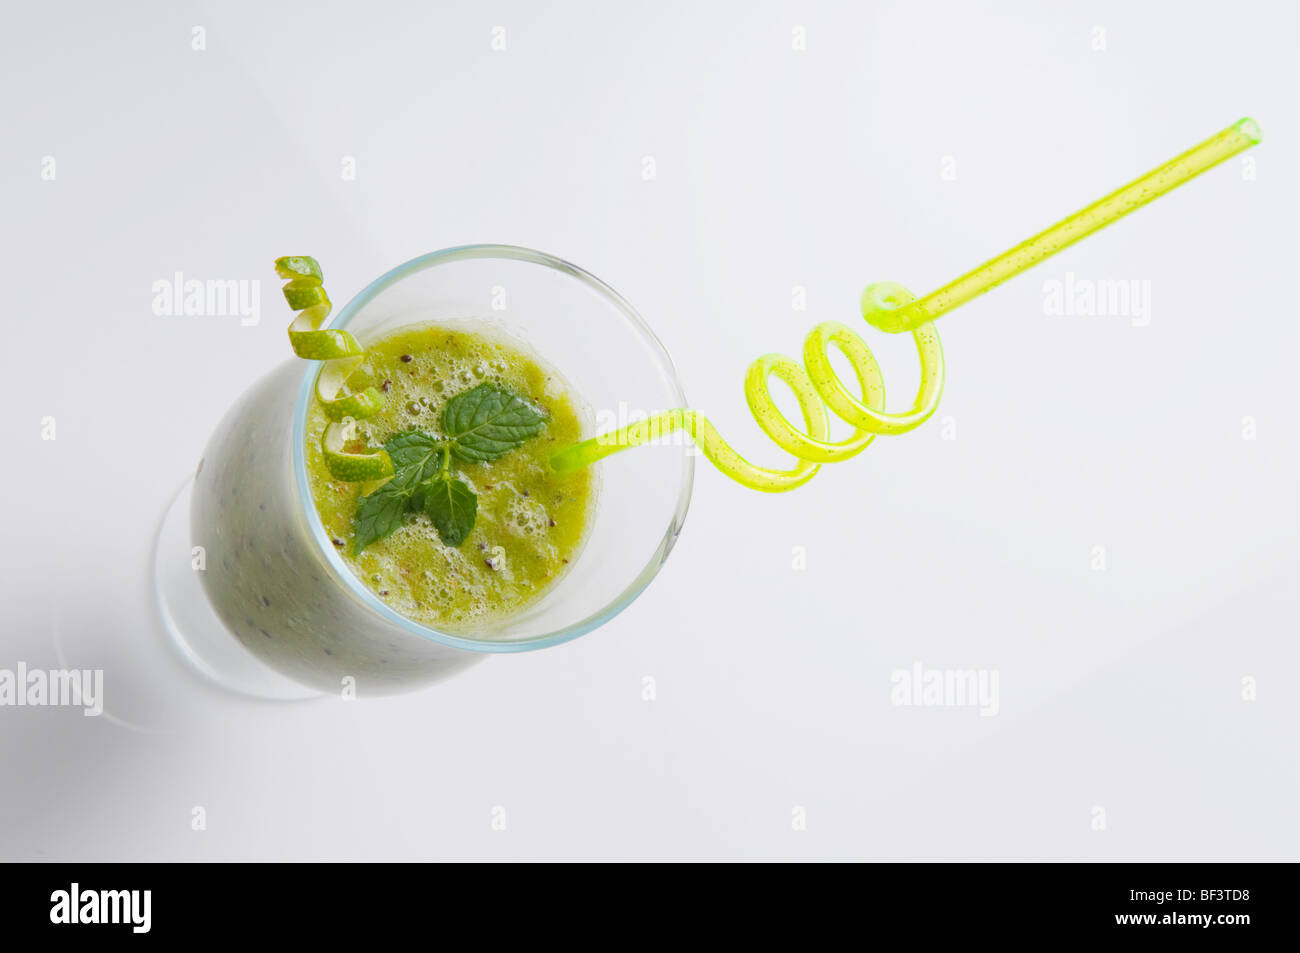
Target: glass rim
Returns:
[[335, 562]]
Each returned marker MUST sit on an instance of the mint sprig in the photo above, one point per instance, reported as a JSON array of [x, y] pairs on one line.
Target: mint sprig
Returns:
[[482, 424]]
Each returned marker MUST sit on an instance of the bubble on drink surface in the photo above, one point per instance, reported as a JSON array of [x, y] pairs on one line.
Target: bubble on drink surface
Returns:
[[525, 516], [447, 588]]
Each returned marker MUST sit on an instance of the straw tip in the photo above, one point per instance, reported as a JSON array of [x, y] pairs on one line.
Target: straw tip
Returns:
[[1250, 129]]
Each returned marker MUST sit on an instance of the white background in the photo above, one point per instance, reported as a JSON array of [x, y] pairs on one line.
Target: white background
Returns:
[[775, 167]]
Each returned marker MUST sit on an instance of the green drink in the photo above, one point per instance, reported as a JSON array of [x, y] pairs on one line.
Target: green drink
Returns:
[[265, 582], [531, 521]]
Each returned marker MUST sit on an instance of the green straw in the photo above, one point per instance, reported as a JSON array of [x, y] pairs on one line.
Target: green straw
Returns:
[[1222, 145], [890, 307]]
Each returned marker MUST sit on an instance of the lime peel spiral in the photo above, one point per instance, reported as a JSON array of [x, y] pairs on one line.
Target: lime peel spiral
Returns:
[[304, 290]]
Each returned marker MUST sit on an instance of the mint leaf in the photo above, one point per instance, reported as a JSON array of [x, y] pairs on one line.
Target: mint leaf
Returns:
[[452, 506], [382, 512], [417, 459], [487, 422], [415, 449]]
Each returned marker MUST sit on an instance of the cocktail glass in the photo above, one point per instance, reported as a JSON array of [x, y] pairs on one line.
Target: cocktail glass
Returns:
[[256, 595]]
